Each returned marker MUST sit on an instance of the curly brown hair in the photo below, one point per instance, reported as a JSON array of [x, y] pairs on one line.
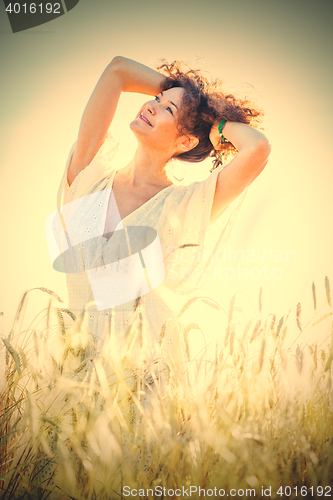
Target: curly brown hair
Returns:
[[203, 104]]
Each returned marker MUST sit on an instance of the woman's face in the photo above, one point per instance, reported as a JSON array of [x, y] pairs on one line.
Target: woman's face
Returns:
[[156, 123]]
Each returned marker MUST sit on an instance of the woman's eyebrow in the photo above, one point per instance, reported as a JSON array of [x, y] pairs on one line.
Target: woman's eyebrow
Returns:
[[170, 101]]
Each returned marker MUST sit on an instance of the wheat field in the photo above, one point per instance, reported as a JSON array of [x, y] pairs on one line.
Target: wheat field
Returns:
[[254, 419]]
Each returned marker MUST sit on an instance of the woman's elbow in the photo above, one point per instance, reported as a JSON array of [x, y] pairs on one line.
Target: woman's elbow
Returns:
[[261, 151], [263, 147], [117, 68], [117, 63]]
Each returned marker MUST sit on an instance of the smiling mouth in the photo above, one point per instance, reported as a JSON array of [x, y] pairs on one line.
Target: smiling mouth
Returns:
[[145, 120]]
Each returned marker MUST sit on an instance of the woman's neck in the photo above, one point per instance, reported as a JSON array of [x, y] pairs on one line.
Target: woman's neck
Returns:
[[147, 167]]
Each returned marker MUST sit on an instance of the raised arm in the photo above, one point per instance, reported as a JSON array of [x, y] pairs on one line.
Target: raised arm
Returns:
[[121, 75], [253, 152]]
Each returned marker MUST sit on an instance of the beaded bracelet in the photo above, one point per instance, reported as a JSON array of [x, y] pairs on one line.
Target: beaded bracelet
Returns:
[[220, 127]]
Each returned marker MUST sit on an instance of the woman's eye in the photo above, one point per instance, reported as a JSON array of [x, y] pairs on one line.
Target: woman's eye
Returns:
[[157, 99]]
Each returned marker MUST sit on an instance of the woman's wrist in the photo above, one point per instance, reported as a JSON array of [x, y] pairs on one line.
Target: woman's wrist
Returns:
[[220, 129], [239, 134]]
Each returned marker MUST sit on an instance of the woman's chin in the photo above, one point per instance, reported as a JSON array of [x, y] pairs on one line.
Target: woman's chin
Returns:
[[137, 129], [135, 126]]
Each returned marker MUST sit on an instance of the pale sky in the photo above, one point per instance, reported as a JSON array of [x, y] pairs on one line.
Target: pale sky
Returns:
[[279, 49]]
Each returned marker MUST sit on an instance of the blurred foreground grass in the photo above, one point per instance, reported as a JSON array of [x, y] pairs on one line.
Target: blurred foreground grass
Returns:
[[78, 422]]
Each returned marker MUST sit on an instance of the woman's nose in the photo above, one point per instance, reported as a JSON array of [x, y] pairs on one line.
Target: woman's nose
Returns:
[[150, 108]]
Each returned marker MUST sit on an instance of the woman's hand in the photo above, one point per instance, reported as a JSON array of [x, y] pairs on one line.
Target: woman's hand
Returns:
[[215, 137]]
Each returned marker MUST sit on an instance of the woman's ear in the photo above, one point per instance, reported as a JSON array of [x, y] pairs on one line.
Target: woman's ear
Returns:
[[187, 142]]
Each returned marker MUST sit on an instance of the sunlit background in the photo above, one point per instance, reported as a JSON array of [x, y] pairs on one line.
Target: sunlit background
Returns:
[[278, 52]]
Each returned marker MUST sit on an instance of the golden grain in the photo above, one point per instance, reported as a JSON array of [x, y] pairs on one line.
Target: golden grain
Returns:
[[78, 422]]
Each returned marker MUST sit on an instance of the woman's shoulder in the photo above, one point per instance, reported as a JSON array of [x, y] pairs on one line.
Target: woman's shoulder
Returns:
[[186, 189], [100, 168], [102, 160]]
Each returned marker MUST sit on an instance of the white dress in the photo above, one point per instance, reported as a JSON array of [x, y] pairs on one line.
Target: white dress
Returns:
[[180, 216], [138, 343]]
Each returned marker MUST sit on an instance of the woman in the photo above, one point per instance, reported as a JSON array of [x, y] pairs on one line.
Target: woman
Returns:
[[189, 119]]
